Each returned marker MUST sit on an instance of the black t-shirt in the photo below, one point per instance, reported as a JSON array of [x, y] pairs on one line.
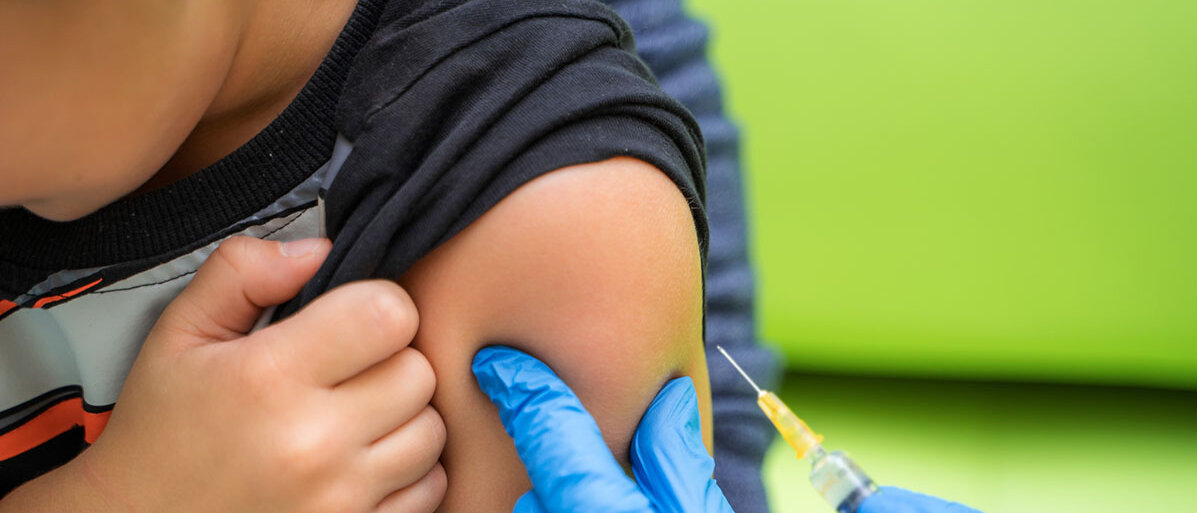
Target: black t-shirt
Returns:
[[430, 111], [452, 105]]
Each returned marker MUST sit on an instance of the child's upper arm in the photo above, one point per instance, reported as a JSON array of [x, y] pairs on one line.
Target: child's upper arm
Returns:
[[594, 269]]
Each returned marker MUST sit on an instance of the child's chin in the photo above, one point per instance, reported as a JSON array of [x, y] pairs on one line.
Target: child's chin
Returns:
[[62, 210]]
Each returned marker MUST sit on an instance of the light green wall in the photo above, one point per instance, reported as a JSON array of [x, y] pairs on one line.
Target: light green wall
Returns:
[[998, 189], [1000, 448], [982, 190]]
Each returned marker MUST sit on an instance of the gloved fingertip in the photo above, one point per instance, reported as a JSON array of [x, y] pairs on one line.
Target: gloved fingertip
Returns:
[[486, 358], [677, 400], [669, 459], [672, 422], [528, 503], [496, 369], [683, 385]]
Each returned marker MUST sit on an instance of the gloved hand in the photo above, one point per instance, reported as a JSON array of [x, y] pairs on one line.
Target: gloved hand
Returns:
[[897, 500], [569, 464]]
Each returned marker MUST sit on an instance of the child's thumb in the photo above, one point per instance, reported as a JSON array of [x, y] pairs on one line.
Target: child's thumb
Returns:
[[241, 278]]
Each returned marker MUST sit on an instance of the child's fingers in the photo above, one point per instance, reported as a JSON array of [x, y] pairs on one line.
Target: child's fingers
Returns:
[[422, 496], [243, 276], [343, 333], [405, 455], [388, 394]]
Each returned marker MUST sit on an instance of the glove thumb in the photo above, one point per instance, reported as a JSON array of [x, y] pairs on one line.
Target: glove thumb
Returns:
[[243, 276], [669, 460]]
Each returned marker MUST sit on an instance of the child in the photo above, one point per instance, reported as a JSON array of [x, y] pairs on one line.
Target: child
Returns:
[[511, 165]]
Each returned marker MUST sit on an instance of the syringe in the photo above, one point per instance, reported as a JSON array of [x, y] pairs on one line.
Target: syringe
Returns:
[[834, 475]]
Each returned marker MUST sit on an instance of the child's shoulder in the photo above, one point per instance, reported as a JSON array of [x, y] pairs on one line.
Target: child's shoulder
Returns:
[[452, 106]]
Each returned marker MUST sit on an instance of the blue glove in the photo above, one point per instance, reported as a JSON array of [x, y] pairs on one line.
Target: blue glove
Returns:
[[897, 500], [571, 469]]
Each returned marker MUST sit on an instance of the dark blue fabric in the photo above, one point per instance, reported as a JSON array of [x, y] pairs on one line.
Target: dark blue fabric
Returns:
[[675, 46]]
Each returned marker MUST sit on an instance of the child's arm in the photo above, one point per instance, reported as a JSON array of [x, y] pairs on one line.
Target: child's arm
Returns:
[[595, 270]]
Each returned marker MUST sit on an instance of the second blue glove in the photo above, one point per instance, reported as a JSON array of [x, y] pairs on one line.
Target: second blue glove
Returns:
[[897, 500]]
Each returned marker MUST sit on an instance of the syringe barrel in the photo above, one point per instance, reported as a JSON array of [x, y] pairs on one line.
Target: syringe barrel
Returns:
[[840, 481], [795, 432], [834, 475]]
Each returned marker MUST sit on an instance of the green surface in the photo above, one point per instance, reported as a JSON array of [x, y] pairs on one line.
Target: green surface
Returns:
[[1000, 447], [981, 189]]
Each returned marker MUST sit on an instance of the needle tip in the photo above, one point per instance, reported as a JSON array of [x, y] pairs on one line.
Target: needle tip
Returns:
[[741, 371]]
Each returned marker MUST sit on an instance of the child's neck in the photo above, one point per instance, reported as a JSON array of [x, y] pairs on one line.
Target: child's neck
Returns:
[[282, 44]]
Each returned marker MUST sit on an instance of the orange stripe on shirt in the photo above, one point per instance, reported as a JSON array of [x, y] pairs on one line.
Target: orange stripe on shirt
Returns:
[[94, 424], [6, 305], [55, 421], [36, 431], [50, 299]]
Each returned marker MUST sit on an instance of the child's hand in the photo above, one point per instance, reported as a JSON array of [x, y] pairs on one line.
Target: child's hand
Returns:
[[325, 411]]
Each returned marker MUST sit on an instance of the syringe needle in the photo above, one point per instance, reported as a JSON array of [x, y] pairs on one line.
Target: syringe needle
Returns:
[[837, 478], [742, 373]]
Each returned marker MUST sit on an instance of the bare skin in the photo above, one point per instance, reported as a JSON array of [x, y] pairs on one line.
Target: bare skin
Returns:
[[594, 269], [99, 99]]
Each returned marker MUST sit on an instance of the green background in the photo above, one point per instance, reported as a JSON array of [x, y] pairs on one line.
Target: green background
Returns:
[[974, 229]]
